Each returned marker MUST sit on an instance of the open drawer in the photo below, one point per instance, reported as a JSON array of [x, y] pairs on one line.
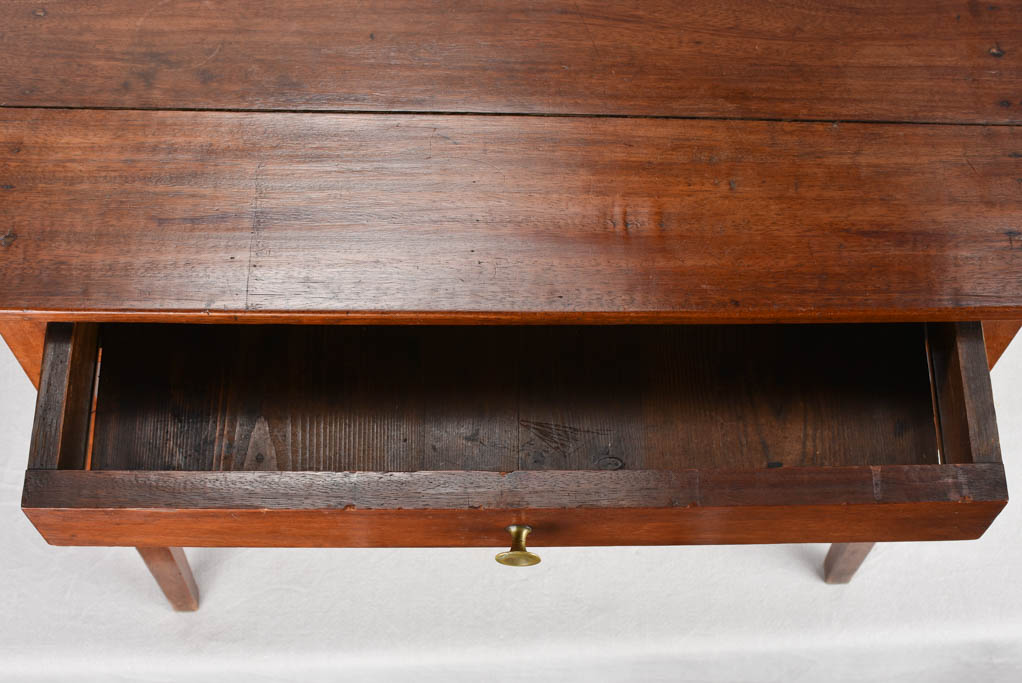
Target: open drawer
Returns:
[[246, 435]]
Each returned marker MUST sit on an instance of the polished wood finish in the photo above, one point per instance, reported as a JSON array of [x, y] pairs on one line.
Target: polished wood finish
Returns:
[[169, 567], [411, 161], [998, 335], [60, 432], [221, 216], [497, 398], [25, 339], [486, 528], [843, 560], [903, 60], [434, 509], [964, 397], [177, 216]]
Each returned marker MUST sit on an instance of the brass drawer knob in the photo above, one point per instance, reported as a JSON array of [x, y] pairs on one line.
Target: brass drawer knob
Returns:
[[518, 556]]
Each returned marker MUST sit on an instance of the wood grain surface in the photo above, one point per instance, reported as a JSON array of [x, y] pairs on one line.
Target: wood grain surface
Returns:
[[25, 339], [405, 398], [408, 161], [169, 567], [525, 490], [402, 218], [486, 528], [963, 394], [998, 335], [60, 430], [904, 60], [436, 509]]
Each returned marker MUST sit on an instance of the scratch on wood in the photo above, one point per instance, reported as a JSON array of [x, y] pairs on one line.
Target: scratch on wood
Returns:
[[256, 203], [578, 11], [1014, 240], [145, 15], [877, 486], [210, 56], [560, 438]]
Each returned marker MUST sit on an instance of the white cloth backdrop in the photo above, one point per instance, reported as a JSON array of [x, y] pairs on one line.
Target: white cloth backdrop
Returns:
[[926, 612]]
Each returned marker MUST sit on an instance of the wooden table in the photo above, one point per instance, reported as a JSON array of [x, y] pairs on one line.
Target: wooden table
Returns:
[[647, 273]]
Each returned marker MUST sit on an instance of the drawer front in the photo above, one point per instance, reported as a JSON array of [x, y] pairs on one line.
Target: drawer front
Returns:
[[436, 509], [677, 436]]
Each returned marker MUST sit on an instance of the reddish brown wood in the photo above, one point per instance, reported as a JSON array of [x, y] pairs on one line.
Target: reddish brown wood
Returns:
[[60, 432], [940, 60], [426, 509], [301, 218], [843, 560], [335, 218], [25, 340], [486, 528], [998, 335], [169, 567]]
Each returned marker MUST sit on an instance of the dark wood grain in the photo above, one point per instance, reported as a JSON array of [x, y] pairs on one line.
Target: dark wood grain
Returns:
[[998, 335], [60, 431], [497, 398], [843, 560], [169, 567], [333, 218], [964, 397], [525, 490], [436, 509], [941, 60], [580, 398], [25, 339]]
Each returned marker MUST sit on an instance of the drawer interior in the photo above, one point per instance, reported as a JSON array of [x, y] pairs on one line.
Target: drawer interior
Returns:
[[400, 398], [348, 436]]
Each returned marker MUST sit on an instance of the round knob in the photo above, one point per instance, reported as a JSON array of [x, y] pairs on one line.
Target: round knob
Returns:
[[518, 556]]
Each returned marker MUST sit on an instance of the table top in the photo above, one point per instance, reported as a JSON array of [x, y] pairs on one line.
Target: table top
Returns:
[[495, 161]]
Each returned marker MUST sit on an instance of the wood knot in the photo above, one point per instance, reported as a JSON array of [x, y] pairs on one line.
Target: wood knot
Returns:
[[609, 463]]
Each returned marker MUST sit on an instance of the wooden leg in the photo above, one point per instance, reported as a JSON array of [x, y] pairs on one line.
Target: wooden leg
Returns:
[[843, 560], [169, 567]]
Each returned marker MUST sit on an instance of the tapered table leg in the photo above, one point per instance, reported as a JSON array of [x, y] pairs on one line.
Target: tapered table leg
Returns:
[[169, 567], [843, 560]]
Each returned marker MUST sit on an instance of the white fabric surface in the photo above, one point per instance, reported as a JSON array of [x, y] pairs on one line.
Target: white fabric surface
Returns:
[[915, 612]]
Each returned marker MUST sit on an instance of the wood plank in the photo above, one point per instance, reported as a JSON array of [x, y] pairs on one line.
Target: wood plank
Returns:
[[25, 340], [544, 489], [580, 398], [169, 567], [60, 431], [998, 335], [941, 60], [437, 509], [964, 397], [486, 528], [405, 398], [334, 218]]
